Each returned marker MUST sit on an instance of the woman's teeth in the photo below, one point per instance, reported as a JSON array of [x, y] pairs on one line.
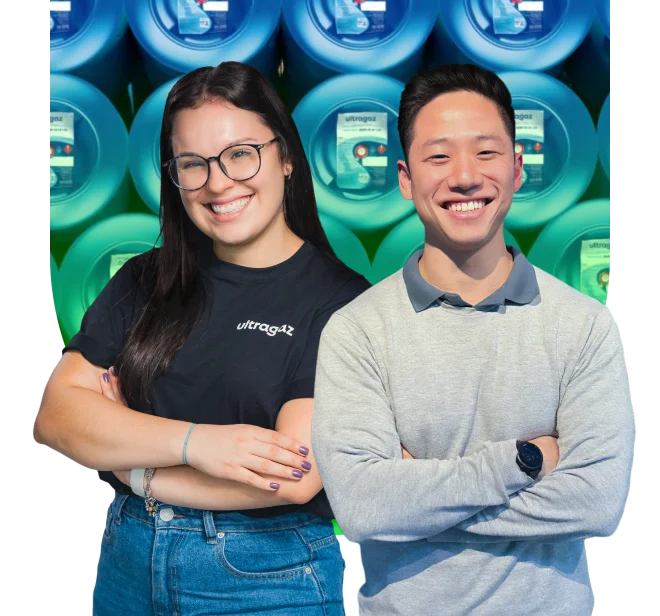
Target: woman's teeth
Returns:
[[468, 206], [234, 206]]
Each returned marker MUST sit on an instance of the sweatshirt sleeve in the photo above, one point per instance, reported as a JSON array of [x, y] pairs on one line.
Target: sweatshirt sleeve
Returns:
[[585, 494], [374, 493]]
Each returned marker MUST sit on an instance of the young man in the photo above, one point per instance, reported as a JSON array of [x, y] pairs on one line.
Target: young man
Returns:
[[472, 360]]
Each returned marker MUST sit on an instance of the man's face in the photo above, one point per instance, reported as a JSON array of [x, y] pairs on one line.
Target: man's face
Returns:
[[462, 172]]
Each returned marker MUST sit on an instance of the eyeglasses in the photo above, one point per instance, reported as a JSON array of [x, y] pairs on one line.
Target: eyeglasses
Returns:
[[238, 162]]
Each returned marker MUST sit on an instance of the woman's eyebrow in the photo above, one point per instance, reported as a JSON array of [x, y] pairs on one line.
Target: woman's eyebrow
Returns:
[[235, 142]]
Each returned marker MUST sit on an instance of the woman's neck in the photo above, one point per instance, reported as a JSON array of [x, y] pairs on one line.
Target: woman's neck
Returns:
[[274, 246]]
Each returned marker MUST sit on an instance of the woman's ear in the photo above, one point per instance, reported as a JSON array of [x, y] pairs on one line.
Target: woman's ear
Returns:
[[288, 170]]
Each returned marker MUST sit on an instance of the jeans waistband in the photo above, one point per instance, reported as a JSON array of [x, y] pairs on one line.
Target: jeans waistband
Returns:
[[186, 518]]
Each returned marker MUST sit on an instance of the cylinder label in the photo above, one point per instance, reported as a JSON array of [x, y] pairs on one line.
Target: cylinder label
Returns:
[[202, 16], [60, 17], [360, 16], [361, 150], [595, 268], [530, 130], [517, 16], [61, 149], [116, 261]]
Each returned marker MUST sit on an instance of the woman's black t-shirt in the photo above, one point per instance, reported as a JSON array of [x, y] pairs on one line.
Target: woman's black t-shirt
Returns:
[[254, 350]]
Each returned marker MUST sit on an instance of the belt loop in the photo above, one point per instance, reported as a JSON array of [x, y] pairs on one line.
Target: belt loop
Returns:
[[118, 504], [209, 527]]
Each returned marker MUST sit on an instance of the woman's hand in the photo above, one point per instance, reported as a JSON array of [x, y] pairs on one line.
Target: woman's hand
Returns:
[[111, 389], [243, 452], [238, 452], [123, 476], [406, 454]]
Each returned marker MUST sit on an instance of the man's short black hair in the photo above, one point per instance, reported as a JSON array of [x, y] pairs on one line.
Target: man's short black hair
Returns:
[[429, 84]]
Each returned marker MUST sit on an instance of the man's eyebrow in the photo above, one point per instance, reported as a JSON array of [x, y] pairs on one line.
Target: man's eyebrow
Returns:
[[480, 138], [489, 137]]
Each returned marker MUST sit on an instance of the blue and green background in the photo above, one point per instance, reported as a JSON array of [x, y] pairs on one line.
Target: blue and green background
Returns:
[[113, 63]]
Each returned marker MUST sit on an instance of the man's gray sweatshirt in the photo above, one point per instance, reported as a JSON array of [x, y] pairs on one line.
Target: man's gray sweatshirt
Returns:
[[461, 529]]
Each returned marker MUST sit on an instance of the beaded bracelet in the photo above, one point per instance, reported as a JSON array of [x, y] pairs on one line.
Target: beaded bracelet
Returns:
[[149, 500]]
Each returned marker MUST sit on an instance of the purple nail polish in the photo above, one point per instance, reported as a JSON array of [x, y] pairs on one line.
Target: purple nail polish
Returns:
[[297, 473], [303, 450], [113, 370], [306, 465], [274, 485], [106, 377]]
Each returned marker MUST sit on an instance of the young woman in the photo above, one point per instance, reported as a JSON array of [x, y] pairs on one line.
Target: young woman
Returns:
[[212, 340]]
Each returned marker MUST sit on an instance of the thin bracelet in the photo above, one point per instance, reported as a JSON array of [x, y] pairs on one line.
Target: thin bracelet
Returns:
[[185, 444]]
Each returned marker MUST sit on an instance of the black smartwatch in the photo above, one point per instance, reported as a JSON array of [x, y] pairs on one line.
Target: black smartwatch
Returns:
[[529, 458]]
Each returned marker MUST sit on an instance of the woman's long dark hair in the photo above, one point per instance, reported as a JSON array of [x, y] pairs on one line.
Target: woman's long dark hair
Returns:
[[170, 278]]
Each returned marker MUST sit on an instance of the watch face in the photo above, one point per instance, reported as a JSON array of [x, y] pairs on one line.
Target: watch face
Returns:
[[531, 455]]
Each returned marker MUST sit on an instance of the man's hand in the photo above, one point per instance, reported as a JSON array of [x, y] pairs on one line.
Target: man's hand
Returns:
[[550, 450], [547, 445]]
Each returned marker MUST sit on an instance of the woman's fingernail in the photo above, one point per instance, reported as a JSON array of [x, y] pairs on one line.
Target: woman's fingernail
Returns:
[[113, 370], [106, 377], [274, 485], [303, 450], [306, 465], [297, 473]]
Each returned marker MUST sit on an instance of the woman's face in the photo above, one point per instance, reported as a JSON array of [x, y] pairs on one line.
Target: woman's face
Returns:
[[232, 213]]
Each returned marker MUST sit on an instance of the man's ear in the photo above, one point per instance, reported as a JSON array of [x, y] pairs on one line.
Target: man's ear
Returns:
[[405, 182], [517, 171]]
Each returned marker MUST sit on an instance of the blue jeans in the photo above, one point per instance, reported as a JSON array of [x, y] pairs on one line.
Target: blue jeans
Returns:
[[186, 562]]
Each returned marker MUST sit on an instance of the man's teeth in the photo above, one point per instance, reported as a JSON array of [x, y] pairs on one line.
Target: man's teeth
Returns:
[[234, 206], [468, 206]]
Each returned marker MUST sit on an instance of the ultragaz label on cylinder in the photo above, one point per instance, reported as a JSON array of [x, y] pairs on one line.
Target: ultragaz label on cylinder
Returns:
[[595, 268], [517, 16], [202, 16], [360, 16], [530, 132], [61, 149], [116, 261], [361, 150], [60, 17]]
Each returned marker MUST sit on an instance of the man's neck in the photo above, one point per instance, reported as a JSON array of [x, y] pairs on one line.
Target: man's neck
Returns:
[[474, 276]]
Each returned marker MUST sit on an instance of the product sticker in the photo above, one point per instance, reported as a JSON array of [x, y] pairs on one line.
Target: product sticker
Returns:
[[595, 268], [116, 261], [60, 17], [529, 143], [360, 16], [61, 149], [517, 16], [361, 150], [202, 16]]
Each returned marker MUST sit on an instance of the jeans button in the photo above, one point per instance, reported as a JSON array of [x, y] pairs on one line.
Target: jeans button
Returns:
[[308, 569], [221, 535], [166, 514]]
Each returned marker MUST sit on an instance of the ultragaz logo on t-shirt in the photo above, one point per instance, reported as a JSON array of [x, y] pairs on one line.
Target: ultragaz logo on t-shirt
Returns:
[[270, 330]]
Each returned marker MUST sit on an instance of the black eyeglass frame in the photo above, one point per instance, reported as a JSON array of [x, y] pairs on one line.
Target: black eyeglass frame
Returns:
[[258, 147]]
